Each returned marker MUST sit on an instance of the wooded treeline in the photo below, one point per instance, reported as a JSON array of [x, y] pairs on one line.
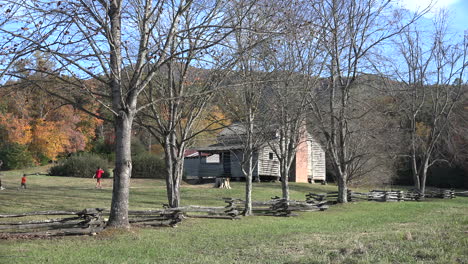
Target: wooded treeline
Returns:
[[376, 90]]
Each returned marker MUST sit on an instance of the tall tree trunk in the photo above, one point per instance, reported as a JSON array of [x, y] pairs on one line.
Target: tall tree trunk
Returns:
[[423, 175], [248, 172], [248, 188], [176, 177], [174, 170], [122, 124], [171, 174], [173, 184], [123, 169], [285, 184], [342, 188], [415, 170]]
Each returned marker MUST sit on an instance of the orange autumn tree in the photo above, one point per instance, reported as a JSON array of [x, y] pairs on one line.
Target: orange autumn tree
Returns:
[[14, 129], [49, 139], [65, 130], [48, 128]]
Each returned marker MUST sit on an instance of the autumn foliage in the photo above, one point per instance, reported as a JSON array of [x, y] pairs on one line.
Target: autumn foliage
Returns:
[[46, 128], [15, 129]]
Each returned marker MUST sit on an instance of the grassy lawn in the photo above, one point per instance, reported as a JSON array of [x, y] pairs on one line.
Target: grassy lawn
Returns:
[[434, 231]]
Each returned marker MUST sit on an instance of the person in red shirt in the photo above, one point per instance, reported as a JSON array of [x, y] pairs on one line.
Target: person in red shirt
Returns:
[[23, 182], [98, 176]]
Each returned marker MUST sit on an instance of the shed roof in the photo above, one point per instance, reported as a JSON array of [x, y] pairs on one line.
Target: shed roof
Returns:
[[220, 147], [193, 153]]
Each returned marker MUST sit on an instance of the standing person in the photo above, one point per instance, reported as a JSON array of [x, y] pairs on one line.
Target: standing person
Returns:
[[98, 176], [23, 181]]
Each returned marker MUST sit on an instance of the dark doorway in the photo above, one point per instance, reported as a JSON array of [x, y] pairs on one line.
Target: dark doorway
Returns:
[[227, 163]]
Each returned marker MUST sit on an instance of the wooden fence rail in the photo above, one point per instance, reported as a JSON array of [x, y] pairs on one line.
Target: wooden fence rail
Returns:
[[85, 222], [463, 194], [277, 206], [440, 193], [91, 221], [386, 196], [173, 216], [328, 198], [155, 217], [383, 196]]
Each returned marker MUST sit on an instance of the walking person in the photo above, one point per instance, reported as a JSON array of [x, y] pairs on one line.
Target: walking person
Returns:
[[98, 176], [23, 181]]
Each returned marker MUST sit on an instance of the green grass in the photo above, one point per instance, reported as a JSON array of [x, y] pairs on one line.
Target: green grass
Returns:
[[434, 231]]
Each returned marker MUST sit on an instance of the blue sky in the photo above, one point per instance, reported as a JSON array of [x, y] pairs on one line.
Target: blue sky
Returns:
[[457, 9], [460, 10]]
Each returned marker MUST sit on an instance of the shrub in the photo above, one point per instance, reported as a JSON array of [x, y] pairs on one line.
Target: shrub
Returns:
[[41, 159], [15, 156], [146, 165], [80, 165], [104, 149], [137, 147]]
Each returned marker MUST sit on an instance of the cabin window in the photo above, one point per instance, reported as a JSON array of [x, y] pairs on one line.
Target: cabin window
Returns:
[[213, 159], [270, 155]]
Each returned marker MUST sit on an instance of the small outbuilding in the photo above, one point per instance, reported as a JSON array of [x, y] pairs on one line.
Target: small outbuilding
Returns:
[[223, 159]]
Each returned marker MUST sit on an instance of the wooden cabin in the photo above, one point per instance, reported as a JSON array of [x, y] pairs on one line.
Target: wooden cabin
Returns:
[[223, 159]]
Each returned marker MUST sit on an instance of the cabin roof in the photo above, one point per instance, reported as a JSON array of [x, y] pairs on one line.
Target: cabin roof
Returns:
[[193, 153], [221, 147]]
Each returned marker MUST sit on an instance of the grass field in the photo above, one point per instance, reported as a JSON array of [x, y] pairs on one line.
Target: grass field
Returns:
[[434, 231]]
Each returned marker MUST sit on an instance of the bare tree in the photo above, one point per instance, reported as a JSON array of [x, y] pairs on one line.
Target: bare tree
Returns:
[[288, 120], [244, 95], [10, 51], [296, 60], [352, 30], [430, 87], [186, 85], [243, 105], [124, 45]]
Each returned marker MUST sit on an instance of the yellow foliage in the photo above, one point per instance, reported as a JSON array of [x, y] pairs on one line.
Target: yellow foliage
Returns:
[[17, 130], [87, 127], [49, 139]]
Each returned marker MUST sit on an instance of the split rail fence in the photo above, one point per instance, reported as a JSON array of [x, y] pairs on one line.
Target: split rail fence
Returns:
[[173, 216], [90, 221], [382, 196], [278, 206], [85, 222]]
